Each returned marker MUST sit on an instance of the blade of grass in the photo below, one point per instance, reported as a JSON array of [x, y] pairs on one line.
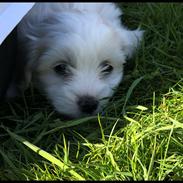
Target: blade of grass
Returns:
[[130, 90], [152, 160], [101, 129], [162, 165]]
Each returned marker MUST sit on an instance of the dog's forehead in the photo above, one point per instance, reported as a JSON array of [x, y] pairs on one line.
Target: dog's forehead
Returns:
[[85, 47], [80, 53]]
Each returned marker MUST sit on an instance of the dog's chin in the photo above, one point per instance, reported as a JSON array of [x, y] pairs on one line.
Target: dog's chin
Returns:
[[76, 116], [66, 117]]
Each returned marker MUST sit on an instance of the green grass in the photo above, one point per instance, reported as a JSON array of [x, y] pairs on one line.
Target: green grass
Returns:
[[138, 138]]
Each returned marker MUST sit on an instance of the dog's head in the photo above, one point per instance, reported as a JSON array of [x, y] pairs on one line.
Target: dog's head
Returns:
[[77, 60]]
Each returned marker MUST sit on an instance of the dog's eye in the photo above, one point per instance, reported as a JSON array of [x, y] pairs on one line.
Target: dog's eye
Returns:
[[62, 69], [106, 68]]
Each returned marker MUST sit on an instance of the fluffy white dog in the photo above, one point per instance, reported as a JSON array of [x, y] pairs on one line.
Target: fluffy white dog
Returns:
[[75, 53]]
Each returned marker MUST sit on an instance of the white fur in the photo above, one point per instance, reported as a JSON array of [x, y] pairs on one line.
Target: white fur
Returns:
[[82, 33]]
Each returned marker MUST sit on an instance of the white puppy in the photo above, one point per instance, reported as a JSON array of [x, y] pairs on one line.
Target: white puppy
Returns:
[[75, 53]]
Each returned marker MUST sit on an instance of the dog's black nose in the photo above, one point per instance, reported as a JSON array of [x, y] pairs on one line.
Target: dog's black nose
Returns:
[[87, 104]]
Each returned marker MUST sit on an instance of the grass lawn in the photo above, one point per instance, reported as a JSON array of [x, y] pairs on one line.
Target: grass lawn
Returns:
[[140, 137]]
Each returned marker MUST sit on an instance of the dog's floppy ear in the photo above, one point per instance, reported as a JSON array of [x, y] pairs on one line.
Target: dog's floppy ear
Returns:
[[30, 41], [24, 67], [130, 40]]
